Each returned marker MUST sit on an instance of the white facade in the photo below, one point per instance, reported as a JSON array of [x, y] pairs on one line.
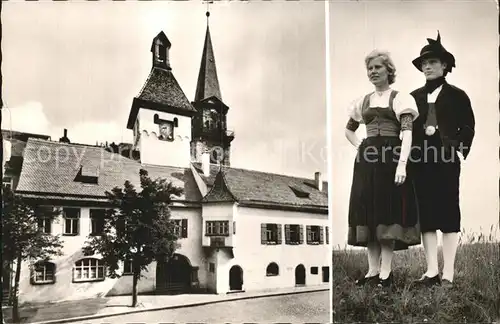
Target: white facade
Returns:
[[253, 257], [242, 248], [157, 151]]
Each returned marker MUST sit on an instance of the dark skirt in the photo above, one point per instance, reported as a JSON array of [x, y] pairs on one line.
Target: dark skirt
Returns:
[[437, 180], [378, 208]]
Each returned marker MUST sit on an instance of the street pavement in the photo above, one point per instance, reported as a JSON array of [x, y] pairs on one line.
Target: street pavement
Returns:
[[311, 307]]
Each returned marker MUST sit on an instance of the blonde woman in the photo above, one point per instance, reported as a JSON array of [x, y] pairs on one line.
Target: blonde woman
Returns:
[[383, 213]]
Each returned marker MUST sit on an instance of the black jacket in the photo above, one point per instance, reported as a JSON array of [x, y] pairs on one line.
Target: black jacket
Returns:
[[454, 115]]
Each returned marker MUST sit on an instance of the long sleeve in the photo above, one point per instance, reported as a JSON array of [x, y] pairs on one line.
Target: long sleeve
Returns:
[[467, 124]]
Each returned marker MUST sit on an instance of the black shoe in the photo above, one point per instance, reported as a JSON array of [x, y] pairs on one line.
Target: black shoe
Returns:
[[445, 283], [387, 282], [428, 281], [367, 281]]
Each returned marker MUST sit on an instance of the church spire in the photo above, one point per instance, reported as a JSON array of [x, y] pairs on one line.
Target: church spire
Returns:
[[208, 83]]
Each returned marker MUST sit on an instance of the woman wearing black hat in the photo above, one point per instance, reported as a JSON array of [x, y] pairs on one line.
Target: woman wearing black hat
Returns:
[[445, 126], [383, 214]]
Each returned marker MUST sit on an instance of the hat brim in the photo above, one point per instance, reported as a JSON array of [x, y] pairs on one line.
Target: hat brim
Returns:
[[445, 57]]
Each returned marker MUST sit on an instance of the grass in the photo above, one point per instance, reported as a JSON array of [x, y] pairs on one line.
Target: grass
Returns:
[[475, 297]]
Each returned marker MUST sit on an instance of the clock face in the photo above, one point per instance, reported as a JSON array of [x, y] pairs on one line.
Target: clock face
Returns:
[[167, 130]]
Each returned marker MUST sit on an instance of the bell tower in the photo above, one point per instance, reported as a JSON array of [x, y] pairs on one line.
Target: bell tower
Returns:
[[161, 114], [209, 126]]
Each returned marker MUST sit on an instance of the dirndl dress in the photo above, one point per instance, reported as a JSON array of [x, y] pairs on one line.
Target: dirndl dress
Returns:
[[380, 210]]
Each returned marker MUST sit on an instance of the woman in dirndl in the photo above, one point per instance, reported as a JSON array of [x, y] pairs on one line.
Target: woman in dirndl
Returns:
[[383, 210]]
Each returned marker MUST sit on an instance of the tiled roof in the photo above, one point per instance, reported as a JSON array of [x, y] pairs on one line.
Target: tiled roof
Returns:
[[219, 191], [23, 136], [162, 88], [180, 177], [208, 83], [255, 187], [209, 180], [49, 168]]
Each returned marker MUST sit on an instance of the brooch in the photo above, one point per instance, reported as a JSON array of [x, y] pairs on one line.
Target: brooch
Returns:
[[430, 130]]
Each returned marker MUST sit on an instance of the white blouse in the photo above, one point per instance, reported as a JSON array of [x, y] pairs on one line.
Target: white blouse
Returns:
[[403, 103]]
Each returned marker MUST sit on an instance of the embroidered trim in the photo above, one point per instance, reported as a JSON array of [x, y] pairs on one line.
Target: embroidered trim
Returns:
[[352, 125], [406, 122]]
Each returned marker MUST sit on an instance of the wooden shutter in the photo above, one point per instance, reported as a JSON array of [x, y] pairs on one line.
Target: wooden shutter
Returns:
[[184, 231], [321, 235], [263, 237], [287, 234], [301, 234], [40, 223], [278, 228], [308, 229], [327, 233]]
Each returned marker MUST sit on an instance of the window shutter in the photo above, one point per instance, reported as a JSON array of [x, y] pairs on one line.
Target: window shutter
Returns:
[[301, 234], [49, 226], [263, 228], [279, 233], [321, 235], [234, 227], [287, 234], [308, 228], [184, 228], [327, 235]]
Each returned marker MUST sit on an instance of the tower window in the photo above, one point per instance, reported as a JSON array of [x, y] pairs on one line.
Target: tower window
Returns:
[[160, 53]]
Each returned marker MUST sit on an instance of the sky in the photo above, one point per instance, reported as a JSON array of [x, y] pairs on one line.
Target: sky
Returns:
[[78, 65], [469, 29]]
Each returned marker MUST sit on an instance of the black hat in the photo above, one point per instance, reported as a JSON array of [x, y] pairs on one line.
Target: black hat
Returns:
[[435, 49]]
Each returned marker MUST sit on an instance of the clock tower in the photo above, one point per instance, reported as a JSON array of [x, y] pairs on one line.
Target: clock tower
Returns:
[[209, 125], [161, 114]]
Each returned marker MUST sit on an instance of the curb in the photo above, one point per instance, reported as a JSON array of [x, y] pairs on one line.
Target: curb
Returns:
[[135, 311]]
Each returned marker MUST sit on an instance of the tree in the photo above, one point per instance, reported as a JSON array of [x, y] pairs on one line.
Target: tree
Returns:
[[23, 239], [138, 229]]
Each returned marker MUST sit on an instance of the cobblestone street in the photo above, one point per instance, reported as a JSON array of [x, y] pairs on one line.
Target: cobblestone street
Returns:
[[298, 308]]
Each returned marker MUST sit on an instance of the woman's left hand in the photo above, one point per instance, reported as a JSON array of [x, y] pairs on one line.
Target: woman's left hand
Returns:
[[400, 177]]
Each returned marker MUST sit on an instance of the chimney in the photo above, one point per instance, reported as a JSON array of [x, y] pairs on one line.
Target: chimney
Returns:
[[318, 181], [7, 153], [205, 163], [65, 138]]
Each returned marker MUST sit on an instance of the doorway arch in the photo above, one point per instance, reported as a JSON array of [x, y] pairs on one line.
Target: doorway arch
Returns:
[[174, 276], [236, 278], [300, 275]]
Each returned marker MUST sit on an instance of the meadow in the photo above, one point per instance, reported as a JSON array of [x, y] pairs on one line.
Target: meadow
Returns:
[[474, 298]]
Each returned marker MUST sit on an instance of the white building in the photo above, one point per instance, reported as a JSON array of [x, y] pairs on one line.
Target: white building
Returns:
[[240, 229]]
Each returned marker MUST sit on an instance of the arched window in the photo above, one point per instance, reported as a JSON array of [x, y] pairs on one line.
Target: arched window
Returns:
[[43, 273], [88, 269], [272, 269]]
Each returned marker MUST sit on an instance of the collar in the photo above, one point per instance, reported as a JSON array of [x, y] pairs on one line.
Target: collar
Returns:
[[381, 93], [432, 85]]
